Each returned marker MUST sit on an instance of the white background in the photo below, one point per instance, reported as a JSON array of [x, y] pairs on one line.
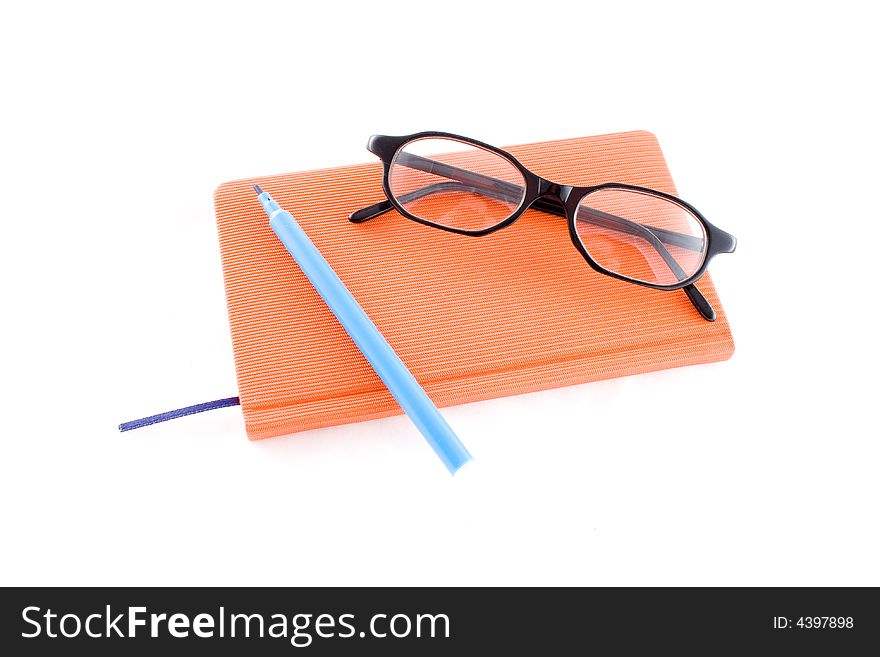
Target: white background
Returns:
[[118, 123]]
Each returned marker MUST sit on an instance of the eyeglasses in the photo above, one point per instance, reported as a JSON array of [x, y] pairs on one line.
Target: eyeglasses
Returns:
[[631, 233]]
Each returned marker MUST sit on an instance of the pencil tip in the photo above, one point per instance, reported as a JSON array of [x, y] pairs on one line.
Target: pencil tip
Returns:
[[257, 189]]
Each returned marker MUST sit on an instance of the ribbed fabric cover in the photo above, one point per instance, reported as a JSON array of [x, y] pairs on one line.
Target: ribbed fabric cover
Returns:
[[472, 317]]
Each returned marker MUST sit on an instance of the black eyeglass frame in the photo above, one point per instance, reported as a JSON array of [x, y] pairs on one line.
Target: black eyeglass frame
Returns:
[[555, 198]]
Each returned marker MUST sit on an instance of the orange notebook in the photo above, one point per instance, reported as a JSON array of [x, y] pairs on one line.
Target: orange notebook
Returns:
[[472, 317]]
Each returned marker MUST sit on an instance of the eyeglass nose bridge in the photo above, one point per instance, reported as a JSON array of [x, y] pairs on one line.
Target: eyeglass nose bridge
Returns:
[[548, 188]]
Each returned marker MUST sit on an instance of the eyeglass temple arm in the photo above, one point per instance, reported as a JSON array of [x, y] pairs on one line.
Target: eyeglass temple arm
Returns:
[[694, 295], [503, 190]]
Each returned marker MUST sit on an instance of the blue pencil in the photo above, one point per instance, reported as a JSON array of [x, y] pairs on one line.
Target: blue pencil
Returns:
[[387, 364]]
